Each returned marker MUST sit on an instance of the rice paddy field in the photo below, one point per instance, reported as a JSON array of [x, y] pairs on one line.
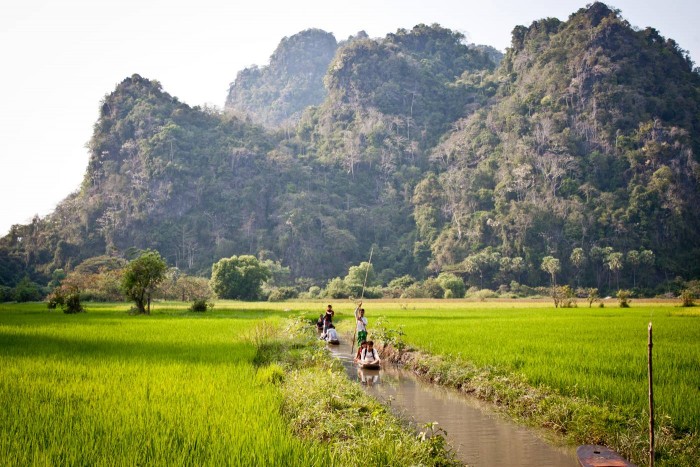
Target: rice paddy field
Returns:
[[107, 388], [597, 353]]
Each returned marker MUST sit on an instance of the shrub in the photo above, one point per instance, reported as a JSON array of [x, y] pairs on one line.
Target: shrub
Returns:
[[623, 297], [68, 298], [433, 288], [687, 297], [373, 292], [453, 283], [337, 288], [200, 305], [281, 294], [483, 294], [402, 282], [415, 291], [5, 293], [591, 295], [26, 291], [564, 296], [72, 303]]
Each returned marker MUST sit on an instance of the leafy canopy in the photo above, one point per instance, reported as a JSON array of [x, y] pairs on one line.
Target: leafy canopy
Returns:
[[239, 277], [141, 276]]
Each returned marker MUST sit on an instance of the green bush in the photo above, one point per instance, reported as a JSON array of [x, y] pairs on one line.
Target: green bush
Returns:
[[281, 294], [687, 298], [433, 288], [402, 282], [415, 291], [452, 283], [623, 297], [483, 294], [72, 304], [67, 298], [5, 293], [337, 288], [200, 305], [26, 291]]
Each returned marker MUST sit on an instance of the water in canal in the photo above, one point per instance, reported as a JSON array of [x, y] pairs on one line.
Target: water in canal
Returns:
[[479, 436]]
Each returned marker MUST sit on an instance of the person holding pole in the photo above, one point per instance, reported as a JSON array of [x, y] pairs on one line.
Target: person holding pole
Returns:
[[327, 320], [361, 324]]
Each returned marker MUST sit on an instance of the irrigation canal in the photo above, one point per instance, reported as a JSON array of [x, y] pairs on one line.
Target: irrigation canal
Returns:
[[479, 436]]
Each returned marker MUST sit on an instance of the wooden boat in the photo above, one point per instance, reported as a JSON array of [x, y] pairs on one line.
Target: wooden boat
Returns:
[[600, 456], [369, 366]]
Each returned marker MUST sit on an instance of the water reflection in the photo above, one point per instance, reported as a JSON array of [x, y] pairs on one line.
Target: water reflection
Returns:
[[368, 377], [479, 436]]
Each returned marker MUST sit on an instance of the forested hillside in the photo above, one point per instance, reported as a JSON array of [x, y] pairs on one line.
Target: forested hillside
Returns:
[[589, 154], [580, 144], [278, 93]]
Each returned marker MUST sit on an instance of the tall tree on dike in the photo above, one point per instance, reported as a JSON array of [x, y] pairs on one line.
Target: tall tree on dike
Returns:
[[239, 277], [141, 277]]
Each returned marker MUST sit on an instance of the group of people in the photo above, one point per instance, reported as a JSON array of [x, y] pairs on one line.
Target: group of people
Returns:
[[325, 324], [366, 353]]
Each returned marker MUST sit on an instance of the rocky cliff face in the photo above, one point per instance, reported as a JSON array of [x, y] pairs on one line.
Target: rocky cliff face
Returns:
[[278, 93]]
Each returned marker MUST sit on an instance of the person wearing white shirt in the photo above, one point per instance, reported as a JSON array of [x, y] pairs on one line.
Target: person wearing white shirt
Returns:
[[332, 335], [370, 356], [361, 324]]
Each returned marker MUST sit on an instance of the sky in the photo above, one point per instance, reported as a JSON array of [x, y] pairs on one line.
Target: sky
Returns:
[[59, 59]]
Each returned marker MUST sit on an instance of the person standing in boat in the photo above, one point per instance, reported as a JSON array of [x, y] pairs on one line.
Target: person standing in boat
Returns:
[[361, 324], [327, 319]]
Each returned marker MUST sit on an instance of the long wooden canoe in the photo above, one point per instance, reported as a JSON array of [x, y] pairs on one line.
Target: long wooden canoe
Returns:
[[370, 366], [600, 456]]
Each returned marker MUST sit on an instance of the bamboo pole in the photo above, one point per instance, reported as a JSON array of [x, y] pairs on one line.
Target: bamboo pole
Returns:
[[369, 263], [651, 404]]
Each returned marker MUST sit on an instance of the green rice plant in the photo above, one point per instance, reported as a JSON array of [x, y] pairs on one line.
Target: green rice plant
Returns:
[[106, 388], [596, 356]]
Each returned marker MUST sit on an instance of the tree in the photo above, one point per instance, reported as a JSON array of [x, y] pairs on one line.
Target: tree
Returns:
[[577, 259], [453, 283], [592, 295], [67, 295], [141, 276], [355, 279], [239, 277], [551, 265], [634, 259], [614, 263], [26, 291]]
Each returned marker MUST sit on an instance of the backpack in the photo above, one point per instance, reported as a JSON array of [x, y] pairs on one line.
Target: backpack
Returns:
[[363, 356]]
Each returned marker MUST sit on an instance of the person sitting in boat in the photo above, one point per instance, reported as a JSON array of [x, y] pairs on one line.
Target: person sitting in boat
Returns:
[[358, 356], [332, 335], [370, 356]]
